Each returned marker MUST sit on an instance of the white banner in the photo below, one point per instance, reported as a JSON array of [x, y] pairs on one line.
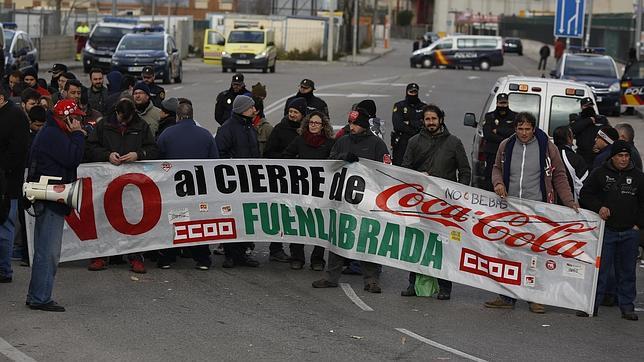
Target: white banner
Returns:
[[365, 210]]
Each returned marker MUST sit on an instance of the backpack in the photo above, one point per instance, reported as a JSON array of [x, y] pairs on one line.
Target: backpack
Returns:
[[577, 182]]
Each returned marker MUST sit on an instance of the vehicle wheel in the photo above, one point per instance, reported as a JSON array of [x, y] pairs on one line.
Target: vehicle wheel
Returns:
[[166, 77], [224, 70], [272, 69], [233, 70], [179, 77], [428, 63], [265, 70], [520, 53], [484, 64]]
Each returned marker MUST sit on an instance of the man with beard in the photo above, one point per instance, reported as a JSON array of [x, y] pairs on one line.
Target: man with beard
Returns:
[[359, 143], [225, 99], [497, 126], [585, 128], [313, 103], [407, 122], [145, 108], [438, 153], [97, 93]]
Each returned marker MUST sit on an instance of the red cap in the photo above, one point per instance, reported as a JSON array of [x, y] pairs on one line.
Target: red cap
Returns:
[[67, 107]]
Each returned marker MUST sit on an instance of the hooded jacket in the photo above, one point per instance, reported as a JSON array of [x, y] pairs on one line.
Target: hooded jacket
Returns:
[[553, 180]]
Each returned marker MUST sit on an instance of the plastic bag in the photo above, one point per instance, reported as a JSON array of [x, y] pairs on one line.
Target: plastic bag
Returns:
[[425, 285]]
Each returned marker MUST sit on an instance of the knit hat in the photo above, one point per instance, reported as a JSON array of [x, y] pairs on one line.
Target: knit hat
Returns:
[[620, 146], [259, 90], [37, 114], [608, 134], [369, 106], [169, 105], [141, 86], [30, 71], [242, 103], [299, 104], [359, 117]]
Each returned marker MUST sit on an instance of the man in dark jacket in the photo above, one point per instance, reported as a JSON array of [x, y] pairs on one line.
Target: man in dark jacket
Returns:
[[282, 135], [225, 99], [122, 138], [14, 141], [576, 169], [237, 138], [407, 120], [616, 192], [585, 127], [186, 140], [360, 143], [313, 103], [604, 140], [97, 93], [57, 151], [627, 133], [497, 126], [438, 153], [168, 115], [157, 93], [544, 53]]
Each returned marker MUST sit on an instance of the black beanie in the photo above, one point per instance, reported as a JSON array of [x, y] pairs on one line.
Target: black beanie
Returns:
[[299, 104], [359, 117], [620, 146], [368, 105]]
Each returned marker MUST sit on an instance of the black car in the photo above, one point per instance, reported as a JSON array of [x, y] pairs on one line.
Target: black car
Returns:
[[102, 42], [157, 50], [597, 71], [513, 45]]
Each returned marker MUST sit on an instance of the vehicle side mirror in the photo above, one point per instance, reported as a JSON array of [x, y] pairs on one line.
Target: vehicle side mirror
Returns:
[[553, 73], [270, 44], [469, 120], [221, 42]]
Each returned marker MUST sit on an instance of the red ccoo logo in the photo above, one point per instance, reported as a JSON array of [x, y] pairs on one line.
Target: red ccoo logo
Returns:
[[503, 271], [204, 230]]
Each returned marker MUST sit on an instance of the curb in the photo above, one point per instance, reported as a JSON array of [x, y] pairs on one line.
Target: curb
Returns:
[[371, 58]]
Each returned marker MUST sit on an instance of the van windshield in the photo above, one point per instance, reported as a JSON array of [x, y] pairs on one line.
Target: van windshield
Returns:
[[560, 110], [107, 36], [525, 102], [253, 37]]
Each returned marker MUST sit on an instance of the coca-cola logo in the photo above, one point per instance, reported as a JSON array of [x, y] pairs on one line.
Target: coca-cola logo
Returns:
[[513, 228]]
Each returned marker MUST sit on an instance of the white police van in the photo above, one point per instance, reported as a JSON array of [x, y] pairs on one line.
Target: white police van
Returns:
[[551, 101]]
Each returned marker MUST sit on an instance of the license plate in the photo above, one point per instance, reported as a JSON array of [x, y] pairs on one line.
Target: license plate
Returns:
[[599, 99], [104, 60], [134, 69], [243, 61]]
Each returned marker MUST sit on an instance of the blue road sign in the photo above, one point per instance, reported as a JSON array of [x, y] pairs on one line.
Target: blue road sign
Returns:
[[569, 18]]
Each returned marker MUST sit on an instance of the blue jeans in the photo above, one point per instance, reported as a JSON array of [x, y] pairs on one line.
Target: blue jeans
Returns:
[[48, 234], [619, 252], [7, 233]]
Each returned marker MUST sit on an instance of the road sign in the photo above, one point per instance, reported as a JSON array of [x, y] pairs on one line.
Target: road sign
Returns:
[[569, 18]]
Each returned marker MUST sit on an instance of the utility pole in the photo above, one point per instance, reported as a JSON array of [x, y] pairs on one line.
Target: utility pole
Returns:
[[388, 25], [589, 25], [355, 30], [154, 9], [374, 21], [330, 45], [113, 7], [167, 30], [638, 29]]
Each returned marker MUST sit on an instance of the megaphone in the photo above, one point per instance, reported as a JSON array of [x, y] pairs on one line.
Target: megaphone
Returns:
[[68, 194]]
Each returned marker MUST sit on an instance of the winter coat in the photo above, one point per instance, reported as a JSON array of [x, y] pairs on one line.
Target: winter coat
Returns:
[[407, 120], [585, 132], [224, 105], [504, 126], [299, 148], [283, 134], [313, 103], [576, 162], [441, 155], [365, 145], [151, 115], [97, 99], [264, 130], [237, 138], [108, 137], [166, 122], [14, 146], [186, 140], [553, 177]]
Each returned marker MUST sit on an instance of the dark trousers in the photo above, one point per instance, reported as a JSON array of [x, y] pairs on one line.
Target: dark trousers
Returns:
[[542, 63], [619, 252], [336, 263], [235, 251], [275, 247], [443, 285], [200, 254], [297, 253], [489, 163]]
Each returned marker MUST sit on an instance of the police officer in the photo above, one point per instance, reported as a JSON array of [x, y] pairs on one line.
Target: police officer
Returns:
[[313, 103], [157, 93], [585, 127], [497, 126], [224, 105], [407, 119]]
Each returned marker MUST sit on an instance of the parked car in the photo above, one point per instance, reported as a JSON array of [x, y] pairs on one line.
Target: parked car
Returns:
[[250, 49], [103, 40], [20, 52], [155, 49], [476, 51], [513, 45], [597, 71], [551, 101], [213, 46]]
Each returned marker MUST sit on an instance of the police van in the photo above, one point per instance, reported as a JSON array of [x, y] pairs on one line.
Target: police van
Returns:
[[476, 51], [551, 101]]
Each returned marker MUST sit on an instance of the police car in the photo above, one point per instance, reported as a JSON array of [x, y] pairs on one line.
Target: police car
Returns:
[[20, 52], [476, 51], [149, 47], [551, 101], [632, 85], [103, 40]]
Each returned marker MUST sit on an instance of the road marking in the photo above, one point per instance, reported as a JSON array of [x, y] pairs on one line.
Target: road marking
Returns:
[[440, 346], [472, 77], [13, 353], [385, 84], [354, 298], [177, 88], [352, 95]]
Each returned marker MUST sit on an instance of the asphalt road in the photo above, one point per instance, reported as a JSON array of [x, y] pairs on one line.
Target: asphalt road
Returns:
[[271, 312]]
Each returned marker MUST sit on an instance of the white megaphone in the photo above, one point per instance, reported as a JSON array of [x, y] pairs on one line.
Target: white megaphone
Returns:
[[69, 194]]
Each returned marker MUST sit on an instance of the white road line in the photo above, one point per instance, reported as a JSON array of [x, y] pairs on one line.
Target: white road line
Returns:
[[354, 298], [13, 353], [440, 346], [177, 88]]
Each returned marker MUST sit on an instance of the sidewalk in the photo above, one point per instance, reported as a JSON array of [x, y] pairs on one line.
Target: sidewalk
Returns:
[[365, 55]]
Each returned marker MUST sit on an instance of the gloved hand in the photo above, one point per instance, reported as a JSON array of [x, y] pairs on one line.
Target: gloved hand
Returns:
[[351, 157]]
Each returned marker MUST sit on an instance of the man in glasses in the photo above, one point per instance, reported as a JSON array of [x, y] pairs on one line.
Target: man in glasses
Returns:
[[407, 119], [313, 103], [157, 93]]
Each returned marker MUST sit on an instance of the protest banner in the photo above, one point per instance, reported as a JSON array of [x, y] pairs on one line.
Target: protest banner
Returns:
[[365, 210]]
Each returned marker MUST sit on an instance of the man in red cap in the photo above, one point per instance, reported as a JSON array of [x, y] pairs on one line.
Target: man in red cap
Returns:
[[57, 151]]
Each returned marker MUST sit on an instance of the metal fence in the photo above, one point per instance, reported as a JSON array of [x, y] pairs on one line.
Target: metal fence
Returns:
[[615, 32]]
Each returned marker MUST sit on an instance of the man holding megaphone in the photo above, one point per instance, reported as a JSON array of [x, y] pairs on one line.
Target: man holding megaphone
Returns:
[[55, 155]]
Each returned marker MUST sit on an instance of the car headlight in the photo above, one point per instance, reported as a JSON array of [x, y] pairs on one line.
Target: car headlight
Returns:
[[161, 61], [225, 55], [115, 61], [614, 87], [90, 49], [261, 55]]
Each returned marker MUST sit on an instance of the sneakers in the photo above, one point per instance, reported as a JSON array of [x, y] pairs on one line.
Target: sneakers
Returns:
[[164, 265], [137, 266], [373, 287], [297, 264], [47, 307], [499, 303], [443, 295], [537, 308], [323, 283], [97, 264], [317, 265], [202, 266], [280, 256], [630, 316]]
